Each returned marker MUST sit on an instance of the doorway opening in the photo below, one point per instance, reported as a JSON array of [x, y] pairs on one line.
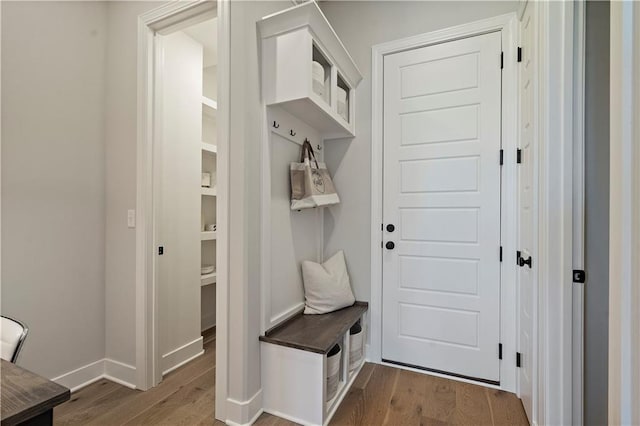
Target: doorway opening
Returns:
[[185, 179], [182, 194]]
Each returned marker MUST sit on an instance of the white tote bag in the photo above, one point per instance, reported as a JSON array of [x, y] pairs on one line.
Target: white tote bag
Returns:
[[311, 184]]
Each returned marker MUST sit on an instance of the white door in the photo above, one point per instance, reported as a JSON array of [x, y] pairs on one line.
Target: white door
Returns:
[[178, 178], [442, 139], [525, 214]]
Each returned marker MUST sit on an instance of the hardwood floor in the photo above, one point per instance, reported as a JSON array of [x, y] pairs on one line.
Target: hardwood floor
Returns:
[[380, 396], [184, 397], [384, 395]]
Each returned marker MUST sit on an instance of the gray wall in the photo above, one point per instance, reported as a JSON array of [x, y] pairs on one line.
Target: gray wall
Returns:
[[361, 25], [120, 157], [69, 163], [53, 197], [245, 135], [597, 213]]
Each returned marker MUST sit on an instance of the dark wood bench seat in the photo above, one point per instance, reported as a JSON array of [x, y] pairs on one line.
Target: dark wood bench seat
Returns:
[[315, 333]]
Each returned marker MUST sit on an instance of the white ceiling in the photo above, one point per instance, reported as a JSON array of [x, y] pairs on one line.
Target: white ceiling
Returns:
[[206, 33]]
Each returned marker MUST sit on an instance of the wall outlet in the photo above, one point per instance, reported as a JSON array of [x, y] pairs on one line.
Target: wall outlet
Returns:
[[131, 218]]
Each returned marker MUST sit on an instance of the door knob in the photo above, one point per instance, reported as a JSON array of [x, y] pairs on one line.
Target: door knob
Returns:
[[390, 245], [391, 228], [523, 262]]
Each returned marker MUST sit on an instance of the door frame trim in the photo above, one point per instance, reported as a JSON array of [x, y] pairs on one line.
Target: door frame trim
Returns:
[[578, 209], [507, 25], [554, 77], [624, 219], [165, 19]]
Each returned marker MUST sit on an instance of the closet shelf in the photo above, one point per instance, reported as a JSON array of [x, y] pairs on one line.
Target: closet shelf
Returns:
[[315, 111], [207, 279], [211, 192], [209, 106], [207, 235], [208, 147]]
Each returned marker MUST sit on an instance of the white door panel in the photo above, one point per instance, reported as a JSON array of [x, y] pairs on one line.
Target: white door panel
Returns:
[[424, 175], [447, 124], [425, 78], [178, 192], [525, 213], [441, 281]]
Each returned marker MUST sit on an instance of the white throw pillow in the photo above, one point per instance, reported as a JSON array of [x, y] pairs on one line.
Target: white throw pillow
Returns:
[[326, 287]]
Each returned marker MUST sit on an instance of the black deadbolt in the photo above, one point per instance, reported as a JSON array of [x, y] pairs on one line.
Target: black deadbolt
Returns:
[[390, 228], [390, 245], [523, 262]]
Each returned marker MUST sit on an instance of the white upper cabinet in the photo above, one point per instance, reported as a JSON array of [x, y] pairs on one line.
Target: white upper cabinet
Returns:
[[307, 70]]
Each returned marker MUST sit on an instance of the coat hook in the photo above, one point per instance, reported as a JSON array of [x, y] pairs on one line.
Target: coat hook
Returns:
[[319, 148], [276, 125], [292, 133]]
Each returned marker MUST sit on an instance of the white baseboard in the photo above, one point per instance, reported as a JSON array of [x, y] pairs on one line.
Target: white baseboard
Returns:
[[180, 356], [244, 413], [288, 417], [120, 373], [105, 368], [207, 322], [81, 377]]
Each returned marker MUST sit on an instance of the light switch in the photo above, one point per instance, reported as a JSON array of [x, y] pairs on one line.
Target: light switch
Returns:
[[131, 218]]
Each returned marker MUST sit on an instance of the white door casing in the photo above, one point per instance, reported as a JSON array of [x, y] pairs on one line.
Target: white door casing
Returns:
[[441, 191], [526, 293], [624, 221]]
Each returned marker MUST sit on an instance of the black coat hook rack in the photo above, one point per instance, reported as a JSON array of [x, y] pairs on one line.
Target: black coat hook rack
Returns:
[[276, 125], [292, 133]]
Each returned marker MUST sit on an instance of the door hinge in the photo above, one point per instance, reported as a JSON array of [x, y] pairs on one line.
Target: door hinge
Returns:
[[518, 358], [518, 257], [519, 156], [519, 54], [500, 253], [579, 276], [501, 60], [499, 350], [501, 157], [160, 250]]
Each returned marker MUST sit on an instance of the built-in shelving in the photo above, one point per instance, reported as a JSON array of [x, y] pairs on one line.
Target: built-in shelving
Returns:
[[207, 235], [292, 40], [307, 339], [205, 102], [209, 106], [309, 79], [209, 148], [208, 279], [209, 152]]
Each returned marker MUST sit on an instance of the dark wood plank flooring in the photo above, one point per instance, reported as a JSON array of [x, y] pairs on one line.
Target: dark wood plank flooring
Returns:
[[380, 395]]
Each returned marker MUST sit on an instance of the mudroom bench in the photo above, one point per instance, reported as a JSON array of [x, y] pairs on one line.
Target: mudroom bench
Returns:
[[297, 356]]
